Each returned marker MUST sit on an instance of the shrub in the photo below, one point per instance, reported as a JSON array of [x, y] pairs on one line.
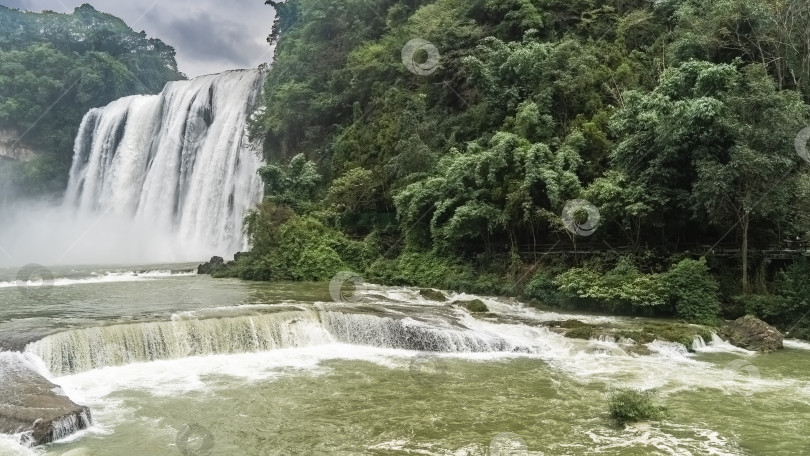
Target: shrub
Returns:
[[622, 286], [692, 291], [543, 289], [632, 405]]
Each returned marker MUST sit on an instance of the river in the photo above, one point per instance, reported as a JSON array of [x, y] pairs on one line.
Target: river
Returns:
[[172, 363]]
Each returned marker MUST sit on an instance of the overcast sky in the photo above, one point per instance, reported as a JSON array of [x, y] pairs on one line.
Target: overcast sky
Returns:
[[209, 35]]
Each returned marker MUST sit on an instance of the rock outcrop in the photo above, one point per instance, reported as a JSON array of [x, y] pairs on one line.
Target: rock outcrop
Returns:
[[752, 333], [432, 295], [33, 407], [212, 266]]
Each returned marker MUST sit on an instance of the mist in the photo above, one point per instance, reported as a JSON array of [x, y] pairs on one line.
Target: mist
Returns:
[[53, 234]]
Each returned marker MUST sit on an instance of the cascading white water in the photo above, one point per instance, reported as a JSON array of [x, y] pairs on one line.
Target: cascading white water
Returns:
[[179, 162], [91, 348]]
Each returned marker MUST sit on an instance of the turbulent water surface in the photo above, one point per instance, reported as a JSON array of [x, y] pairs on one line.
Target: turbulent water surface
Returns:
[[172, 363]]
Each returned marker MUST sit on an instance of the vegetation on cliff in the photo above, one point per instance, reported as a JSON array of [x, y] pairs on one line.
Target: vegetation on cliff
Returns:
[[55, 67], [450, 162]]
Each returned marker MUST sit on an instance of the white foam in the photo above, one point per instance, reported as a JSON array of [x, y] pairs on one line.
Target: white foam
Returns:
[[10, 446], [718, 345], [796, 344], [107, 277]]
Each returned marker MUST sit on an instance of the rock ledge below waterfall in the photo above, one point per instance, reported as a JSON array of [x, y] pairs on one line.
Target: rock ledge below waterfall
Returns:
[[33, 407]]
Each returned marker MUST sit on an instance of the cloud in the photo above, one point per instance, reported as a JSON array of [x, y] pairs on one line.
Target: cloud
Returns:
[[203, 38], [209, 36], [19, 4]]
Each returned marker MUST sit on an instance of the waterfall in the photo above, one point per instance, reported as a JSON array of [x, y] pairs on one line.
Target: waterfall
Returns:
[[81, 350], [179, 162]]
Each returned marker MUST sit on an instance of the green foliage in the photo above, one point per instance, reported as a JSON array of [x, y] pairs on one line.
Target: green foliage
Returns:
[[542, 288], [295, 185], [622, 287], [675, 128], [430, 270], [55, 67], [633, 405], [693, 291]]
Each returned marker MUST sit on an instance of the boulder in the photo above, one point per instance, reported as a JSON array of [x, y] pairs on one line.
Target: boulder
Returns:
[[432, 295], [752, 333], [212, 266], [33, 407], [474, 305]]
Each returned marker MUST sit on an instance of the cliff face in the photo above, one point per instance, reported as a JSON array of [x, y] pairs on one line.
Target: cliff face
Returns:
[[33, 407], [10, 148]]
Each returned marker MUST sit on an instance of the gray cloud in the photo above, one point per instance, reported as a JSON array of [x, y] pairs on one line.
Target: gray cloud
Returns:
[[19, 4], [210, 36]]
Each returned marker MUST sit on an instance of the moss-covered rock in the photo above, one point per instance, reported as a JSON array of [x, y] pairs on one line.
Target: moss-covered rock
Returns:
[[671, 332], [432, 295], [580, 332], [473, 305]]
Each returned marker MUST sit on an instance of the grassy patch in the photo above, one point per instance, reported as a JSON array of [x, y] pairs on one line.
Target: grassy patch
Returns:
[[632, 405]]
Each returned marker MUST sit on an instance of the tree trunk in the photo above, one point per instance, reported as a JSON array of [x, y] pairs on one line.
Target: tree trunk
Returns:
[[744, 251]]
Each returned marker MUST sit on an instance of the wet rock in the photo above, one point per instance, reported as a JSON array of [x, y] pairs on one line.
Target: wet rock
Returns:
[[432, 295], [752, 333], [216, 264], [33, 406], [474, 305]]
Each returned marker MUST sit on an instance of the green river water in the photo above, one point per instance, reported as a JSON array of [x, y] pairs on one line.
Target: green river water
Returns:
[[176, 364]]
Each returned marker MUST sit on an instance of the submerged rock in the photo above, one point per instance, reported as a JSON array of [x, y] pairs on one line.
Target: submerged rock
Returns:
[[34, 407], [212, 266], [432, 295], [752, 333]]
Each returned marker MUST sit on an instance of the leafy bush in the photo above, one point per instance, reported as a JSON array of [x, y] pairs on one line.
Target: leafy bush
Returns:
[[692, 291], [622, 287], [543, 289], [425, 269], [632, 405]]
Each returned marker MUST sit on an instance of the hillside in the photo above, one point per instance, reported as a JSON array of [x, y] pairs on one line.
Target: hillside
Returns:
[[55, 67], [512, 135]]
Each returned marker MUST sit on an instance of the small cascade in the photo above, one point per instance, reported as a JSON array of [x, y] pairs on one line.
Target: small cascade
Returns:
[[698, 343], [86, 349]]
